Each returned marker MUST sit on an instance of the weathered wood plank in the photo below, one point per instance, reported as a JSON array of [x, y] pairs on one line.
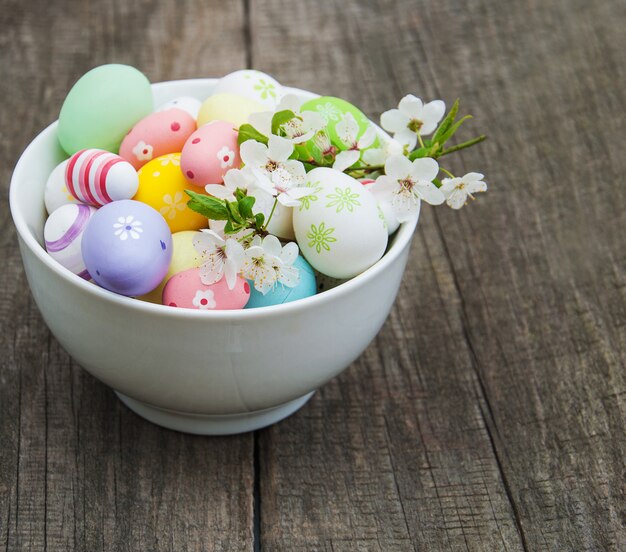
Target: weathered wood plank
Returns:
[[78, 471], [491, 405]]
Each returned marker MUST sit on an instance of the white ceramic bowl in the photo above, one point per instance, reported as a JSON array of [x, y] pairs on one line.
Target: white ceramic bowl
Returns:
[[200, 372]]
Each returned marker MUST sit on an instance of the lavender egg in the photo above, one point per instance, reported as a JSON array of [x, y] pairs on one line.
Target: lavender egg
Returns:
[[63, 234], [127, 247]]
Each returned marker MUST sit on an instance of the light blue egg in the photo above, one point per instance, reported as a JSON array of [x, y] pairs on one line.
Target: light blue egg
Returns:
[[283, 294]]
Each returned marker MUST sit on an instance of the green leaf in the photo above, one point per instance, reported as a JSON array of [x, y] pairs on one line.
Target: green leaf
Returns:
[[419, 153], [260, 220], [450, 132], [437, 183], [210, 207], [248, 132], [446, 123], [240, 194], [232, 228], [245, 206], [233, 209], [280, 118]]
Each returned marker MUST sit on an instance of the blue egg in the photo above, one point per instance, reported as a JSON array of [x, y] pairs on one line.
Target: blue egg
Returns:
[[127, 247], [283, 294]]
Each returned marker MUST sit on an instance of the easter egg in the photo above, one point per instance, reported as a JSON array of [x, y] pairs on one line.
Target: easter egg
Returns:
[[252, 84], [56, 193], [334, 110], [386, 210], [102, 107], [338, 226], [63, 234], [127, 247], [209, 153], [186, 103], [162, 186], [186, 290], [98, 177], [184, 257], [282, 294], [231, 108], [157, 134]]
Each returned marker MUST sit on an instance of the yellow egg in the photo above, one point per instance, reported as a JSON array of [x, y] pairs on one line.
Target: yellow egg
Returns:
[[184, 257], [228, 107], [162, 186]]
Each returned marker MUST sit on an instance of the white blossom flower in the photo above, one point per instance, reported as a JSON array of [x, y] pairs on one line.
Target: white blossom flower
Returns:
[[204, 299], [347, 130], [226, 157], [406, 182], [143, 151], [220, 257], [260, 261], [412, 118], [128, 226], [299, 129], [267, 262], [274, 171], [172, 205], [457, 190], [233, 179], [378, 156]]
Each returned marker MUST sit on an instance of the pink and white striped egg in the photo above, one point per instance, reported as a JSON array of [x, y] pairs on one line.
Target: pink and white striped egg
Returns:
[[209, 153], [186, 290], [157, 134], [63, 234], [98, 177]]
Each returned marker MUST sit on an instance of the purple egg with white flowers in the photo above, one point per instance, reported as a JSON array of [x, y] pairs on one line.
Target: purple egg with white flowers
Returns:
[[63, 234], [127, 247]]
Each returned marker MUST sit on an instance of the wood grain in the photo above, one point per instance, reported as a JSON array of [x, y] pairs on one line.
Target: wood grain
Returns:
[[78, 471], [489, 412]]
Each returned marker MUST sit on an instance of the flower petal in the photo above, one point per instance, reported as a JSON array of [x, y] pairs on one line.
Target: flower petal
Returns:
[[289, 276], [374, 156], [433, 112], [289, 253], [218, 190], [347, 130], [411, 107], [457, 198], [393, 120], [368, 138], [384, 187], [271, 245], [429, 193], [262, 121], [346, 159], [405, 206], [288, 201], [406, 137], [211, 272], [425, 168], [230, 272], [473, 176], [398, 166], [279, 148], [254, 154]]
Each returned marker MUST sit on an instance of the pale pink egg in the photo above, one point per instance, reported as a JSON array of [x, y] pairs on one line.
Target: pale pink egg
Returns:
[[157, 134], [186, 290], [209, 153]]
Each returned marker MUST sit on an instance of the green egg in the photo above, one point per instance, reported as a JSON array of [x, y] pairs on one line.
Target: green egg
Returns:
[[333, 109], [102, 107]]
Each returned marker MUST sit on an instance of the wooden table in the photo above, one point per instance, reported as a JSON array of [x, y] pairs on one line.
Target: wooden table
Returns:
[[489, 412]]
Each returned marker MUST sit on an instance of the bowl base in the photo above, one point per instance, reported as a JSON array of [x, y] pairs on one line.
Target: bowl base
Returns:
[[199, 424]]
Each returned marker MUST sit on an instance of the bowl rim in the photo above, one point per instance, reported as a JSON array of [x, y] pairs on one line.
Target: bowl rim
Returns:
[[400, 240]]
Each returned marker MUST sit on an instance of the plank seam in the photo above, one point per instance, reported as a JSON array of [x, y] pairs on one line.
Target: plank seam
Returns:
[[256, 495], [489, 419]]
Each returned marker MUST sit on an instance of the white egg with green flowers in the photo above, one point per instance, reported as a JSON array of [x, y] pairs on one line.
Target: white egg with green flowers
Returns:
[[339, 227]]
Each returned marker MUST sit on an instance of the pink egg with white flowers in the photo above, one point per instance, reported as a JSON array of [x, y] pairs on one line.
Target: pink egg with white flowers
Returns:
[[209, 153], [157, 134], [186, 290]]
